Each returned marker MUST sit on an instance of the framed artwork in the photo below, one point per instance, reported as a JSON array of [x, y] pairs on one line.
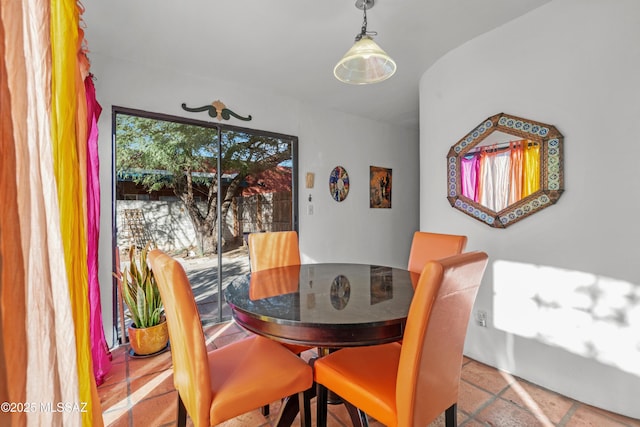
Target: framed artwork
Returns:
[[379, 187], [339, 184]]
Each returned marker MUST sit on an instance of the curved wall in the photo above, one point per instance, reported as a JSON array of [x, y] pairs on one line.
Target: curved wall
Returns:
[[562, 292]]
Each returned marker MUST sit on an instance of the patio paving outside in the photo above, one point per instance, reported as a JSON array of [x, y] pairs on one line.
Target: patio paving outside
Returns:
[[203, 276]]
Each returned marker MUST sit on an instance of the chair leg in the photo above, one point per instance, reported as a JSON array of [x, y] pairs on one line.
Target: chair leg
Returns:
[[288, 411], [182, 413], [304, 404], [321, 405], [358, 417], [265, 410], [451, 415]]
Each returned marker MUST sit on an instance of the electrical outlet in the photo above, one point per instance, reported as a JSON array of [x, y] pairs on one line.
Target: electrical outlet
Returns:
[[481, 318]]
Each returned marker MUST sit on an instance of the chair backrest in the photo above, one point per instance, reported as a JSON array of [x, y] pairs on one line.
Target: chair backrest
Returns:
[[433, 343], [273, 249], [188, 348], [431, 246]]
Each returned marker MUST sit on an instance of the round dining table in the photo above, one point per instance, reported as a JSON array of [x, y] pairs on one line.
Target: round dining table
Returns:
[[328, 306]]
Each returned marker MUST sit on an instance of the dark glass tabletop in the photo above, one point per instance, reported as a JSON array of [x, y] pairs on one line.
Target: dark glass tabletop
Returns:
[[324, 305]]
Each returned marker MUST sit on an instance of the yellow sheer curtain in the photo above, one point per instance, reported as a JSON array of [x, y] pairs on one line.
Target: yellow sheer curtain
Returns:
[[44, 353], [69, 159], [531, 174], [515, 181]]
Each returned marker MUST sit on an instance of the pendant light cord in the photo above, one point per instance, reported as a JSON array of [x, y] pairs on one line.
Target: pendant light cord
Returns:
[[363, 30]]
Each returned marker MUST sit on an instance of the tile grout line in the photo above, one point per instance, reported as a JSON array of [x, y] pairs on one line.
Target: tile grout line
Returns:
[[565, 419], [493, 398]]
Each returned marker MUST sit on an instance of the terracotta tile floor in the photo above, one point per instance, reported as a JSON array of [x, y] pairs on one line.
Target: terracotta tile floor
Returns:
[[139, 392]]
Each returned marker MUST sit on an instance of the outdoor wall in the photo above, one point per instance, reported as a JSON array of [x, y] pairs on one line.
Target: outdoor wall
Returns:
[[169, 226], [167, 223], [562, 290], [347, 231]]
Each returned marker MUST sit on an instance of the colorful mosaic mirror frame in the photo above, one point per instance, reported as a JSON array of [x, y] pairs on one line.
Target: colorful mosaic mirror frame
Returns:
[[551, 169]]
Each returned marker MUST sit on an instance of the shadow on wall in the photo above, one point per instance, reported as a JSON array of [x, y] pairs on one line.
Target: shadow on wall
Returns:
[[592, 316]]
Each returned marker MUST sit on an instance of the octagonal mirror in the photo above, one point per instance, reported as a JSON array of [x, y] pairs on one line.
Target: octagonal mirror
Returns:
[[505, 170]]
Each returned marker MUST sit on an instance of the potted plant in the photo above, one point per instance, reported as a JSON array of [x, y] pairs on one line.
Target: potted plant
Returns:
[[148, 331]]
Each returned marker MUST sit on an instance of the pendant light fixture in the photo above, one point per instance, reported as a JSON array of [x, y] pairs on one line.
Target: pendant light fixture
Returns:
[[365, 62]]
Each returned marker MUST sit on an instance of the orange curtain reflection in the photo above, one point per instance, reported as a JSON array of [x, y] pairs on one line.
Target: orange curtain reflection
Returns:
[[516, 173]]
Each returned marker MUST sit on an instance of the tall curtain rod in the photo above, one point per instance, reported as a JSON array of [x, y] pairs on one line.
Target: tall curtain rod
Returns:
[[500, 146]]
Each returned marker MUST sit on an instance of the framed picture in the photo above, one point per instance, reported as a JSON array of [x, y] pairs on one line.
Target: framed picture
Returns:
[[379, 187]]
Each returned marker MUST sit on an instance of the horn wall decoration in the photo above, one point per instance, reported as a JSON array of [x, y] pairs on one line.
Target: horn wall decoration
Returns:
[[217, 110]]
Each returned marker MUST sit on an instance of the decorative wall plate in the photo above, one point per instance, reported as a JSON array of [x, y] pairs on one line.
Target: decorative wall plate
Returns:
[[339, 183]]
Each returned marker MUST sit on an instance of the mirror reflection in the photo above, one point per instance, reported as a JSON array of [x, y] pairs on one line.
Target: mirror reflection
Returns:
[[505, 169]]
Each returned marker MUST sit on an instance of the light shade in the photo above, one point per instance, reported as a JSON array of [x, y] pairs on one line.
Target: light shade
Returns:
[[364, 63]]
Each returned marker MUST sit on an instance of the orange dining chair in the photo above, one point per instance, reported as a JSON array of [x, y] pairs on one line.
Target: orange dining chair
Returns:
[[431, 246], [411, 384], [270, 250], [275, 249], [221, 384]]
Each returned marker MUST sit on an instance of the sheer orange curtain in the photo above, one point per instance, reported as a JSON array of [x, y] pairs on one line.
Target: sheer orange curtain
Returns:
[[44, 348], [13, 348]]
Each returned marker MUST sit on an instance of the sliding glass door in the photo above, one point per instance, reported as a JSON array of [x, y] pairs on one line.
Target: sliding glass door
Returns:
[[195, 190]]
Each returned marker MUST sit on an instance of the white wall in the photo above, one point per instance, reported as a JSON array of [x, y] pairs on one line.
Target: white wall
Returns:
[[347, 231], [563, 287]]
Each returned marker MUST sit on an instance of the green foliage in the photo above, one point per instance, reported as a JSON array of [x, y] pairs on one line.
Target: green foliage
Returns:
[[175, 150], [140, 291], [183, 157]]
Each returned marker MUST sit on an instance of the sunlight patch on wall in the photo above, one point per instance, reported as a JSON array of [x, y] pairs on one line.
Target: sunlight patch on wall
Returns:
[[593, 316]]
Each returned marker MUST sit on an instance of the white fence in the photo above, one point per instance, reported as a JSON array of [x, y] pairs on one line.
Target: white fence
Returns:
[[167, 222], [169, 225]]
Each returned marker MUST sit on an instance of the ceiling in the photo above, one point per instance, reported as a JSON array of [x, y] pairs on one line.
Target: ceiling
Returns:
[[289, 47]]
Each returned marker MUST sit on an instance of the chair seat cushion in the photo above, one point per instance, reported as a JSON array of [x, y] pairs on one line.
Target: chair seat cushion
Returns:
[[271, 371], [364, 376]]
